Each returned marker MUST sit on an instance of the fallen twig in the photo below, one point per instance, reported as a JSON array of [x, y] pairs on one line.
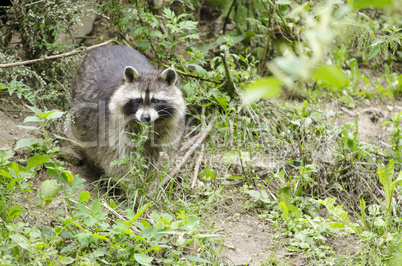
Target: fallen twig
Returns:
[[190, 151], [76, 51], [135, 229], [186, 156], [197, 165], [188, 143]]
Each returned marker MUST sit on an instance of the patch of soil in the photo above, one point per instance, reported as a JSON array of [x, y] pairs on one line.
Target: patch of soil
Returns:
[[248, 241], [345, 246], [370, 119], [10, 133]]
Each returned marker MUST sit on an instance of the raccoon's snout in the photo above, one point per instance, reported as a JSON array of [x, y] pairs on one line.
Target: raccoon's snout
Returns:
[[145, 118], [146, 115]]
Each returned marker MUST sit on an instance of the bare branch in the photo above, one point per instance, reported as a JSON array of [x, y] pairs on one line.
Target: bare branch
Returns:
[[76, 51]]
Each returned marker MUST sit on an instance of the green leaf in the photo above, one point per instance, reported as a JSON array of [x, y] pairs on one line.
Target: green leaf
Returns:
[[5, 155], [336, 211], [197, 259], [37, 160], [398, 180], [95, 207], [13, 212], [84, 196], [374, 51], [264, 88], [260, 195], [379, 222], [5, 174], [124, 21], [67, 177], [84, 238], [35, 110], [386, 174], [386, 123], [99, 236], [362, 217], [22, 143], [48, 190], [140, 212], [154, 248], [330, 75], [285, 210], [368, 19], [223, 102], [54, 114], [28, 127], [291, 66], [32, 119], [20, 240], [337, 225], [143, 259], [66, 260], [371, 3]]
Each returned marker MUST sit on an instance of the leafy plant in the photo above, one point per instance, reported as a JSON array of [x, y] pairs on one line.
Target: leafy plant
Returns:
[[168, 29], [47, 142], [20, 89], [40, 25], [40, 28], [137, 173], [340, 214], [386, 174]]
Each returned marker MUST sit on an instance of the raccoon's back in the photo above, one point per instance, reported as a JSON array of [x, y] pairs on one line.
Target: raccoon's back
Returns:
[[101, 71]]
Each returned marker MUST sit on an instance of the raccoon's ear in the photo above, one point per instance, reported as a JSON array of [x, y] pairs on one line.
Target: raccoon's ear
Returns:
[[169, 75], [131, 74]]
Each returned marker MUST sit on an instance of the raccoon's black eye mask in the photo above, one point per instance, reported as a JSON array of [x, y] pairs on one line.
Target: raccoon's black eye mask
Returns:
[[132, 106], [164, 109]]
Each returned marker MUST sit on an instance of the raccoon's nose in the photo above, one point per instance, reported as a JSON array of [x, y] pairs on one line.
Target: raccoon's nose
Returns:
[[145, 118]]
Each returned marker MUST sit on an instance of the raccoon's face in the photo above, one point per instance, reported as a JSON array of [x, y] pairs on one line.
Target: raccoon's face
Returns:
[[148, 97], [147, 108]]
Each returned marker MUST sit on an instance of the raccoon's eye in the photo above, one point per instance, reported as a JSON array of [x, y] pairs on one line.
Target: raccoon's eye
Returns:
[[155, 101], [138, 100]]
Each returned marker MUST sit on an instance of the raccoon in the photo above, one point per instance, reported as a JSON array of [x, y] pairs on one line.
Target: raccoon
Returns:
[[114, 91]]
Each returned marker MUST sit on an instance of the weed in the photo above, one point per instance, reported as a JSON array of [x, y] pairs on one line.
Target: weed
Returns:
[[20, 89], [396, 140]]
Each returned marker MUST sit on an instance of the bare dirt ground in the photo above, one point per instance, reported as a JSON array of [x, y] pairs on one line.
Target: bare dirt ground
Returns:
[[371, 116], [9, 132], [255, 241]]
